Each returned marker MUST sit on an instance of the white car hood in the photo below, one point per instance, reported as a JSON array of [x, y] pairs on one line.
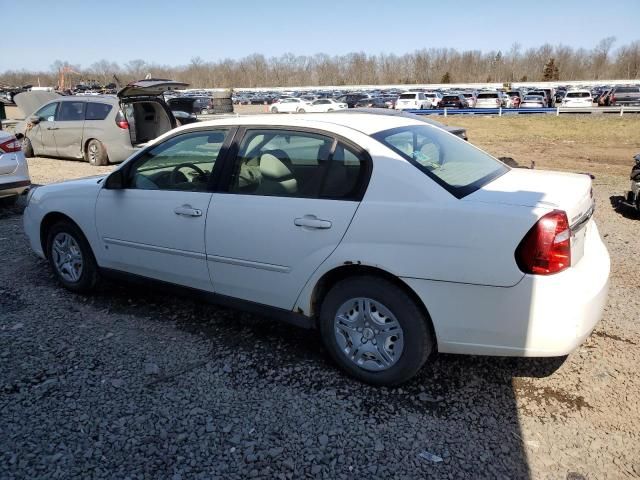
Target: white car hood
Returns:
[[570, 192]]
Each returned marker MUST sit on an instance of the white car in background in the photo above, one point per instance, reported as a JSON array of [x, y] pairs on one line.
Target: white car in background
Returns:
[[577, 98], [323, 105], [14, 172], [413, 101], [391, 236], [489, 100], [289, 105], [533, 101]]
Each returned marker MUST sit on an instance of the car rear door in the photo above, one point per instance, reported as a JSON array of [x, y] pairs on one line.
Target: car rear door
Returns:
[[289, 198], [154, 225], [69, 127]]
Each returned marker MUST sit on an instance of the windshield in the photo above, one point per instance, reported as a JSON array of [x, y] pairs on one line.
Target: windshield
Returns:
[[453, 163]]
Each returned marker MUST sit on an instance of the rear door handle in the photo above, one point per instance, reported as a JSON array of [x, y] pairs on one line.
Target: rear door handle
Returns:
[[311, 221], [187, 211], [52, 128]]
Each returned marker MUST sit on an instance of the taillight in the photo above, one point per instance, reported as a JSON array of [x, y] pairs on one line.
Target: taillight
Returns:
[[121, 121], [546, 248], [11, 145]]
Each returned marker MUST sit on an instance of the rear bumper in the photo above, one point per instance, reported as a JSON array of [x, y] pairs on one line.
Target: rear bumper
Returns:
[[10, 189], [541, 316]]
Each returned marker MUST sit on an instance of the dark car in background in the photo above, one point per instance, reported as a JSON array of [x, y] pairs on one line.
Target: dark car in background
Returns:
[[625, 95], [456, 100], [193, 105], [373, 102], [352, 98]]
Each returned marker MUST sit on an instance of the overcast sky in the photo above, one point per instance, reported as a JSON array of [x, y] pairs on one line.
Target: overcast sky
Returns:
[[172, 33]]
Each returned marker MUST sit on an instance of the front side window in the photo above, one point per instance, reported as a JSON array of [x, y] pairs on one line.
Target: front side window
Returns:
[[453, 163], [71, 111], [183, 163], [48, 112], [97, 111], [296, 164]]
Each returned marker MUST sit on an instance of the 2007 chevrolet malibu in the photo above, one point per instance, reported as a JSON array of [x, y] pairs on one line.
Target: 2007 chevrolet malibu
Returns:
[[391, 236]]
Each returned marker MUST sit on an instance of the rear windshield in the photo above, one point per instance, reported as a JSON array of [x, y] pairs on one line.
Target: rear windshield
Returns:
[[407, 96], [453, 163], [487, 95], [533, 98], [450, 97], [627, 90], [578, 95], [513, 94]]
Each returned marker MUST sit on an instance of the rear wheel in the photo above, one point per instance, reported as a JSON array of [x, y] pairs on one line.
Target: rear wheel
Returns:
[[71, 258], [302, 110], [27, 148], [274, 110], [96, 154], [374, 330]]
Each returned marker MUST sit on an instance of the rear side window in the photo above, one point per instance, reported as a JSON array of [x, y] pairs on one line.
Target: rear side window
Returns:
[[70, 111], [454, 164], [578, 95], [297, 164], [97, 111]]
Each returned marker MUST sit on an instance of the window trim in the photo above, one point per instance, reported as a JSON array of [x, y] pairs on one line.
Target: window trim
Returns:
[[226, 176]]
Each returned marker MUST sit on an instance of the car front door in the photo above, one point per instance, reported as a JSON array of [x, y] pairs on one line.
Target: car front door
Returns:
[[290, 198], [41, 134], [154, 225], [69, 128]]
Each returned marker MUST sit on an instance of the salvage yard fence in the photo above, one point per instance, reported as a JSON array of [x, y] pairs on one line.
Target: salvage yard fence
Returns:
[[529, 111]]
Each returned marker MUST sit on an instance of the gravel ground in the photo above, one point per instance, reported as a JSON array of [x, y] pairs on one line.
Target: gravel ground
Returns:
[[135, 382]]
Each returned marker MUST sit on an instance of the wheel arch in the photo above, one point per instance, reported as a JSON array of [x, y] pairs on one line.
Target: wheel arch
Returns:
[[48, 221], [335, 275]]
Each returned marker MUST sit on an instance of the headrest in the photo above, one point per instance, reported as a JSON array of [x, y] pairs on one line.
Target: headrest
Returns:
[[272, 167]]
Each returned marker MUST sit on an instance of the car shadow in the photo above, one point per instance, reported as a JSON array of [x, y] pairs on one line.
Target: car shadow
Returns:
[[622, 209]]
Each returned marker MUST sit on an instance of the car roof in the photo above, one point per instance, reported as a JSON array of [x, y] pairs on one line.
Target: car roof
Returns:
[[89, 98], [366, 123]]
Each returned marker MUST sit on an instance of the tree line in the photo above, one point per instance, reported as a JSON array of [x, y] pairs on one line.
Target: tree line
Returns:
[[428, 65]]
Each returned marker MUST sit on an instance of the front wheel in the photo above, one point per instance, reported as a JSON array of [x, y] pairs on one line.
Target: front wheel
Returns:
[[274, 110], [375, 331], [71, 258], [27, 147], [301, 110]]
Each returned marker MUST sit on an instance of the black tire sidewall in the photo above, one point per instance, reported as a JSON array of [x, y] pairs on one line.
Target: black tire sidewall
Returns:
[[89, 276], [418, 341]]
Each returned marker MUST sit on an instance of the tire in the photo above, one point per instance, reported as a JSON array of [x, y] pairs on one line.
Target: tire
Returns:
[[221, 94], [88, 276], [415, 339], [330, 110], [96, 154], [27, 148], [217, 102], [274, 109], [302, 110], [223, 109]]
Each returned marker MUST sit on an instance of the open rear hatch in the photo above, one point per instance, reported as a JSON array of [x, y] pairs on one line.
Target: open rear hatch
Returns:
[[569, 192], [147, 114]]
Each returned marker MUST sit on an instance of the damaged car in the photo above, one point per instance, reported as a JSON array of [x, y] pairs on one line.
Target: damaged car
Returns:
[[100, 129]]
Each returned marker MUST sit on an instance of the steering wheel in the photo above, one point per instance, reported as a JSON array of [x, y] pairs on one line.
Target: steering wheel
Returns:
[[173, 179]]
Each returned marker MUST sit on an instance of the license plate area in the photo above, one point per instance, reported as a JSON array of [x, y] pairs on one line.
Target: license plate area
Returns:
[[577, 244]]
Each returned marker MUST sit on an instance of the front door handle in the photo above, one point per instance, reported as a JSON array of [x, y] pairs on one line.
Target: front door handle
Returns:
[[311, 221], [52, 128], [188, 211]]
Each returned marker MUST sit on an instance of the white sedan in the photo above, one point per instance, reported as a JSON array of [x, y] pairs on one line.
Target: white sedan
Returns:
[[324, 105], [577, 98], [289, 105], [390, 236]]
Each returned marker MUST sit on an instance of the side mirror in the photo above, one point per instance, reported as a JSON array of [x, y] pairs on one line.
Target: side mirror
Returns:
[[34, 119], [115, 181]]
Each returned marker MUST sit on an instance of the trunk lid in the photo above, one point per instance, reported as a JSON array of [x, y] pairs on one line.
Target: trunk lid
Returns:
[[152, 87], [570, 192]]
